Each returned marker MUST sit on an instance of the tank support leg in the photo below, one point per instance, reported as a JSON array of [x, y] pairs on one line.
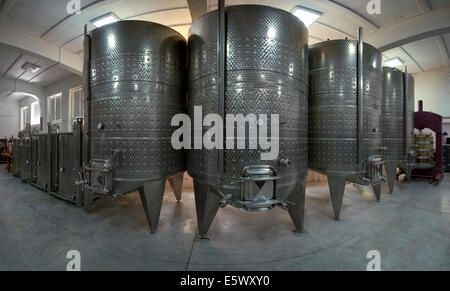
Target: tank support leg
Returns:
[[336, 183], [391, 169], [176, 183], [152, 194], [88, 200], [206, 205], [296, 207], [408, 174], [376, 187]]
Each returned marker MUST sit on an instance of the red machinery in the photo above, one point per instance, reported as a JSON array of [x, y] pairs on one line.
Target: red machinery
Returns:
[[432, 121]]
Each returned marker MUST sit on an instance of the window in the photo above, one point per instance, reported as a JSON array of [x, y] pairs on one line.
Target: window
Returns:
[[54, 108], [76, 103], [23, 117], [35, 113]]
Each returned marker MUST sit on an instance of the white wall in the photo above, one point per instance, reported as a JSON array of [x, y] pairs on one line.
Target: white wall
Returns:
[[63, 87], [433, 87], [9, 118], [446, 128], [60, 87], [27, 101]]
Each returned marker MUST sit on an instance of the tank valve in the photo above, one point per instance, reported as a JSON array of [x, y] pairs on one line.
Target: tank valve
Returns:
[[283, 205], [284, 162], [80, 182], [225, 201], [100, 126]]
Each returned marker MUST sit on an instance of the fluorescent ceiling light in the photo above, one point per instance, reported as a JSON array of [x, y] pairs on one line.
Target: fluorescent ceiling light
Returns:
[[393, 63], [30, 67], [306, 15], [105, 19]]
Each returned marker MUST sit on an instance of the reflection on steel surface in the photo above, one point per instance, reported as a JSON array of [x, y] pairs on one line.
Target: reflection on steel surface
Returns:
[[335, 68], [136, 85], [333, 105], [137, 80], [265, 73], [394, 120]]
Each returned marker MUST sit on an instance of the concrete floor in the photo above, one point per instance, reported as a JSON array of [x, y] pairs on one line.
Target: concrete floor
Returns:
[[411, 229]]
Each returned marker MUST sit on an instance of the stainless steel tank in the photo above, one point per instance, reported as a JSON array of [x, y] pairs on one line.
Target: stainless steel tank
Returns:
[[16, 158], [56, 162], [64, 154], [410, 100], [397, 113], [26, 159], [249, 59], [135, 83], [345, 137], [34, 157], [42, 163]]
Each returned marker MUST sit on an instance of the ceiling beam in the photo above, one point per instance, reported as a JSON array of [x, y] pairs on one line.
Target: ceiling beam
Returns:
[[134, 16], [5, 7], [18, 86], [336, 29], [197, 8], [424, 5], [367, 21], [413, 59], [418, 27], [440, 42], [35, 45], [69, 16], [12, 65]]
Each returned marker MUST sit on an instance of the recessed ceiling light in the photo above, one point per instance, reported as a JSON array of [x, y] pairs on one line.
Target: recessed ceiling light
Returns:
[[105, 19], [393, 63], [306, 15], [30, 67]]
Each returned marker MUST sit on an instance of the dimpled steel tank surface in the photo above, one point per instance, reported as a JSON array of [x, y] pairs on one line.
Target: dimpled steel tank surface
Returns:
[[265, 73], [137, 84], [397, 142], [341, 145]]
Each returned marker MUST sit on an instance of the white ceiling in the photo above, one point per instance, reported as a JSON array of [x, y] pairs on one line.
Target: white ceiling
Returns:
[[391, 10], [12, 60], [13, 95], [51, 22], [342, 18], [48, 20], [423, 55]]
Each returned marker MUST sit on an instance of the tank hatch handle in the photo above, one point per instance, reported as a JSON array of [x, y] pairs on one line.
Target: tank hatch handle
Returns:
[[258, 187], [99, 176], [375, 170], [258, 173]]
